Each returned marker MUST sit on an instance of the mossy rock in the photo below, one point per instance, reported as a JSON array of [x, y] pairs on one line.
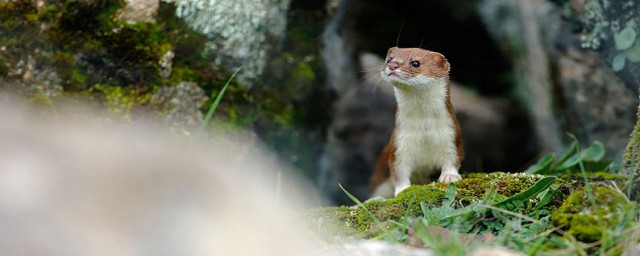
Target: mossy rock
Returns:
[[354, 221], [472, 188], [587, 222]]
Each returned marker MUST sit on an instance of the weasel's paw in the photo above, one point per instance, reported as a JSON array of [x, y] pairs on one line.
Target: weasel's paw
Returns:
[[376, 198], [449, 177]]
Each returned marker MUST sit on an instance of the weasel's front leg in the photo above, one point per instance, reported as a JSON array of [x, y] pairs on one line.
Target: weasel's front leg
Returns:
[[449, 174], [401, 178]]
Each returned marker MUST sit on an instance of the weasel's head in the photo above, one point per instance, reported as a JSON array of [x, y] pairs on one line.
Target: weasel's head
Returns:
[[414, 67]]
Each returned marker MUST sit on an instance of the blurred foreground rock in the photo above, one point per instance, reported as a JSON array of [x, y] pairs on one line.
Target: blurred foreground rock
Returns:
[[75, 184]]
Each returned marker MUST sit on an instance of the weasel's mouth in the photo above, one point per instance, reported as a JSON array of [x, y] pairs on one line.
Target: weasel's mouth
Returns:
[[388, 72]]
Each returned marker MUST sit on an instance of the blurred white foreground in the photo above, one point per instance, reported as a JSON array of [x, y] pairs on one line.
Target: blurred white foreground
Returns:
[[74, 184]]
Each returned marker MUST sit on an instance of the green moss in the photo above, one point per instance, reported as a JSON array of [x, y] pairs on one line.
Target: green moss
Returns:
[[137, 43], [408, 201], [304, 72], [632, 153], [355, 221], [15, 13], [507, 184], [587, 222], [78, 77], [120, 101], [632, 160], [569, 182]]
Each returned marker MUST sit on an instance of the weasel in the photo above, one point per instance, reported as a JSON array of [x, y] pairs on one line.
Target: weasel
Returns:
[[426, 137]]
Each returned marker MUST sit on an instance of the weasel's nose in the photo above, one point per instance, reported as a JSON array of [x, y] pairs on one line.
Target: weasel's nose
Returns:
[[393, 65]]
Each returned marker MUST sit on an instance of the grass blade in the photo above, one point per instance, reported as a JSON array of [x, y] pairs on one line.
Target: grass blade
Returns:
[[49, 103], [213, 107], [542, 165], [537, 188], [567, 154]]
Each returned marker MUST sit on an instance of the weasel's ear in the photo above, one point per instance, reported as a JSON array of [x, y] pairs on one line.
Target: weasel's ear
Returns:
[[441, 63], [391, 50]]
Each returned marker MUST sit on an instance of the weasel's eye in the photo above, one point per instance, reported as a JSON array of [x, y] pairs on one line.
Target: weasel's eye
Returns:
[[389, 60], [415, 64]]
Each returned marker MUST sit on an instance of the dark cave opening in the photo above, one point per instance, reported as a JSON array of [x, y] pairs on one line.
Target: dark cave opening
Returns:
[[449, 27]]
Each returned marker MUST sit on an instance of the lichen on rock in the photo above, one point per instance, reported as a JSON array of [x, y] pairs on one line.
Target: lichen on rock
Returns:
[[242, 33]]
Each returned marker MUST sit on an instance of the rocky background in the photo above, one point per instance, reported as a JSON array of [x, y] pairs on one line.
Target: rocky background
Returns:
[[526, 72]]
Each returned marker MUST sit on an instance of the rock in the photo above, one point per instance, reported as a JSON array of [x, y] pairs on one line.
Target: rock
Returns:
[[566, 88], [30, 78], [356, 133], [495, 251], [181, 105], [380, 248], [361, 127], [242, 33], [139, 11], [75, 184], [518, 31], [596, 105], [166, 63]]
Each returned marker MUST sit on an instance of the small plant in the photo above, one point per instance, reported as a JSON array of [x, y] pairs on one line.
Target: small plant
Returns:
[[569, 162]]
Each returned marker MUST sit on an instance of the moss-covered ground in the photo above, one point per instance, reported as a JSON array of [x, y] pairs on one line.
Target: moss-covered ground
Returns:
[[512, 210]]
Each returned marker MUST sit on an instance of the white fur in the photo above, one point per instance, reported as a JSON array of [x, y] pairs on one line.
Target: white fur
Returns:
[[383, 190], [425, 134]]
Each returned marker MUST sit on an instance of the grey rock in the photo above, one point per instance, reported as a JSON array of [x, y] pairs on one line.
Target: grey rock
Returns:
[[180, 105], [242, 32], [29, 77], [139, 11], [566, 88], [494, 251]]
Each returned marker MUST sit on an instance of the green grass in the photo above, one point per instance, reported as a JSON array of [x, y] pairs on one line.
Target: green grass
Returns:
[[215, 104]]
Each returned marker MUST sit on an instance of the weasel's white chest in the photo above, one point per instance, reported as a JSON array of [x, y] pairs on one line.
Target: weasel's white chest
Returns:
[[426, 142], [425, 135]]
